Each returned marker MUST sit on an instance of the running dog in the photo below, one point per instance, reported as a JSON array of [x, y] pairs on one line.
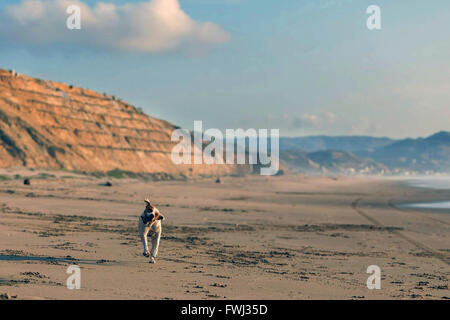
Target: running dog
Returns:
[[150, 225]]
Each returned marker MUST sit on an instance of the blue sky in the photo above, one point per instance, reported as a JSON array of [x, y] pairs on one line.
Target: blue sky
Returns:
[[303, 66]]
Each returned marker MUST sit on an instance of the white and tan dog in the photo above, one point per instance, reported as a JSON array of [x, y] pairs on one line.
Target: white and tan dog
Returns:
[[150, 225]]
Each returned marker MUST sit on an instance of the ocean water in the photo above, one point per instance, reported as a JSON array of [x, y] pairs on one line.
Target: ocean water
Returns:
[[429, 205], [430, 183]]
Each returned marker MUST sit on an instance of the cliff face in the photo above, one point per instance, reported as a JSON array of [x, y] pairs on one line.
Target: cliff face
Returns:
[[45, 124]]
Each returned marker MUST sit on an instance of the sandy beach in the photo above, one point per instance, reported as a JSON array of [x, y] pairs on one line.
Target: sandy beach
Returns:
[[254, 237]]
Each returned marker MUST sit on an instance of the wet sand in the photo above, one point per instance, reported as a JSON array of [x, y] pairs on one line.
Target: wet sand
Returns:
[[287, 237]]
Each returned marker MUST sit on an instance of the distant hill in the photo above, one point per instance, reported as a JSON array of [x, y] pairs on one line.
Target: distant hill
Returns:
[[343, 143], [341, 161], [330, 162], [422, 154], [299, 161], [366, 155]]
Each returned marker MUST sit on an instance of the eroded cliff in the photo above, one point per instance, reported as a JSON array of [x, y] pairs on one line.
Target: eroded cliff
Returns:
[[45, 124]]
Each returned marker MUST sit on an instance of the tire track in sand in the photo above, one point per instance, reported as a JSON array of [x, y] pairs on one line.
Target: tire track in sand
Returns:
[[416, 243]]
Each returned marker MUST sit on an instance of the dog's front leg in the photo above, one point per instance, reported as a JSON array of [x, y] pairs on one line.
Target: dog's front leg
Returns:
[[143, 232], [155, 245]]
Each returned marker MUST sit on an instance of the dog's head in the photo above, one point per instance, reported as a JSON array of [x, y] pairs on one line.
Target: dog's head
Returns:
[[150, 209]]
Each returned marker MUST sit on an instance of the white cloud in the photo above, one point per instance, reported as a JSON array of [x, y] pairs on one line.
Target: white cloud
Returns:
[[151, 26], [317, 121]]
